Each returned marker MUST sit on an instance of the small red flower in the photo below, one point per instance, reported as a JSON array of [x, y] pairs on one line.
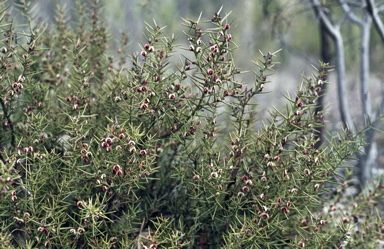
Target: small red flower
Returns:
[[210, 71]]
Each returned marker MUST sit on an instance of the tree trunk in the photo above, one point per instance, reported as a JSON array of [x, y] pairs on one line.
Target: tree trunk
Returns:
[[367, 160], [326, 57]]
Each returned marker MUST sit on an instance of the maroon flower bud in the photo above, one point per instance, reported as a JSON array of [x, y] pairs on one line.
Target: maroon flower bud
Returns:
[[229, 37], [316, 187], [285, 210], [80, 204], [249, 182], [264, 215], [26, 216], [152, 246], [121, 136], [109, 140], [143, 53], [227, 26], [131, 142], [245, 189], [299, 104], [116, 168], [264, 179], [143, 106], [244, 178], [143, 152], [210, 71]]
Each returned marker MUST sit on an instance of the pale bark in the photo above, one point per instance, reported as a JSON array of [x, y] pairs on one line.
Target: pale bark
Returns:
[[373, 10], [334, 30], [367, 159]]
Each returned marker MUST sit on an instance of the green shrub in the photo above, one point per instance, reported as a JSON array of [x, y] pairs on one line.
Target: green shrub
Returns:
[[163, 154]]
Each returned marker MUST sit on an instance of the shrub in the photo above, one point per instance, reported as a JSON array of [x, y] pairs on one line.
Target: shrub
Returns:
[[96, 155]]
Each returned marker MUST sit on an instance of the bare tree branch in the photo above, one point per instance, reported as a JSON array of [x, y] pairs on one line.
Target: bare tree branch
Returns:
[[351, 15], [374, 12], [365, 29], [335, 33]]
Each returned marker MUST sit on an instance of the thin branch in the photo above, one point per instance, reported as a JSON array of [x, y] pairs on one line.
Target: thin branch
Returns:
[[323, 17], [374, 12], [335, 33], [351, 15]]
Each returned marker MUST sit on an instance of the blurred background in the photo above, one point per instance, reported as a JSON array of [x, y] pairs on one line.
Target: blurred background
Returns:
[[265, 25]]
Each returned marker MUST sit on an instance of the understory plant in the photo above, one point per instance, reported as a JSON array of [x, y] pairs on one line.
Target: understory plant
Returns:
[[164, 149]]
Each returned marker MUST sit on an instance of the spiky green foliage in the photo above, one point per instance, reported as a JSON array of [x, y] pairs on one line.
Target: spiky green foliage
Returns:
[[161, 154]]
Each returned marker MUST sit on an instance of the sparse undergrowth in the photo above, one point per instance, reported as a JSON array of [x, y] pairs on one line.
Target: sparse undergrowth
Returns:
[[96, 155]]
